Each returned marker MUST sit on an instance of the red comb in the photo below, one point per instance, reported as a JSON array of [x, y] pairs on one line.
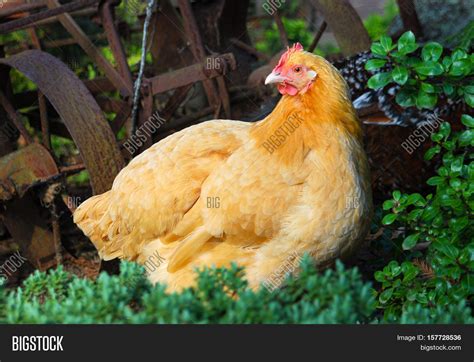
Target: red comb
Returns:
[[289, 51]]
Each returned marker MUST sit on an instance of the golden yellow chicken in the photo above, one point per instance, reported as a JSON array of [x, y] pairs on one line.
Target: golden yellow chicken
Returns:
[[257, 194]]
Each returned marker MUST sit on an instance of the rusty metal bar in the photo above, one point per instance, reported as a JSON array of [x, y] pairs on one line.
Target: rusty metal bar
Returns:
[[56, 126], [99, 85], [191, 74], [250, 49], [60, 9], [281, 29], [110, 105], [45, 133], [57, 240], [175, 101], [21, 8], [224, 97], [317, 37], [106, 13], [54, 19], [72, 168], [161, 83], [34, 38], [121, 117], [145, 111], [86, 44], [46, 138], [14, 117], [197, 47], [69, 41]]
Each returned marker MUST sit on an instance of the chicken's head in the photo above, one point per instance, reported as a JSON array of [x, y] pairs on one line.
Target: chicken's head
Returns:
[[311, 84], [293, 75]]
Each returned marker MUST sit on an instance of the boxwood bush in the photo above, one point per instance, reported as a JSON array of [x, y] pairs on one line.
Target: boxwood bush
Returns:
[[436, 268]]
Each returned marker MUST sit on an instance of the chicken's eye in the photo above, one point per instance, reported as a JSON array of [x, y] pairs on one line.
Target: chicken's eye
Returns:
[[297, 69]]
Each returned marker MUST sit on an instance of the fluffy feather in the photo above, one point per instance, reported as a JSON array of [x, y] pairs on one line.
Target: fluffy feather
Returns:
[[226, 191]]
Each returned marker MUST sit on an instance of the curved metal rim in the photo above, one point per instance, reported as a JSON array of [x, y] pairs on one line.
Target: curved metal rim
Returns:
[[78, 110]]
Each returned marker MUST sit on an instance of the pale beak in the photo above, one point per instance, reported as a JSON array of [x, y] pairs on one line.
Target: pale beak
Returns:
[[275, 78]]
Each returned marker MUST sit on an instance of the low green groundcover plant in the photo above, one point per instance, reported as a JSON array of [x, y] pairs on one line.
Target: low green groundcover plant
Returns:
[[221, 296]]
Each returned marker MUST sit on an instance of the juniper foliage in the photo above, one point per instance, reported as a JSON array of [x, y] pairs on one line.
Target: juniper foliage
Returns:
[[336, 295]]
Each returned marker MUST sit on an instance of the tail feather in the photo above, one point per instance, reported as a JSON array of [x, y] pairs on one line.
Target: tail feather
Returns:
[[94, 220]]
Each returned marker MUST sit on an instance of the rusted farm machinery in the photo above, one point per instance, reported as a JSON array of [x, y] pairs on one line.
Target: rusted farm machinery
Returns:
[[80, 106], [31, 174]]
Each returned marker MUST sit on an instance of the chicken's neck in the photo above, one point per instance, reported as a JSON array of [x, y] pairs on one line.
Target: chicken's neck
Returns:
[[304, 122]]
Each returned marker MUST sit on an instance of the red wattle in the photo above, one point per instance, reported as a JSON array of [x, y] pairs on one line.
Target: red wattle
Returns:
[[285, 88]]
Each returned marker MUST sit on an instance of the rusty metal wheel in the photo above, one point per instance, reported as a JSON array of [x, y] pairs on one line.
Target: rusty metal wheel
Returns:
[[35, 163]]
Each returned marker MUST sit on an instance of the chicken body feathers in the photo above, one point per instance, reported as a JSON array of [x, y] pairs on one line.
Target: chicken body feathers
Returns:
[[150, 197], [213, 194], [210, 197]]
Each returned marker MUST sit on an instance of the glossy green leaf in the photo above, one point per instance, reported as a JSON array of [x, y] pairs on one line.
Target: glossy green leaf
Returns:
[[378, 49], [410, 241], [431, 51], [460, 67], [388, 204], [467, 120], [435, 181], [386, 43], [414, 199], [386, 295], [449, 250], [445, 129], [459, 54], [407, 43], [432, 152], [427, 87], [467, 138], [409, 271], [447, 61], [469, 89], [469, 98], [426, 100], [448, 89], [400, 75], [429, 68], [389, 219], [396, 195], [374, 64], [379, 80], [406, 98]]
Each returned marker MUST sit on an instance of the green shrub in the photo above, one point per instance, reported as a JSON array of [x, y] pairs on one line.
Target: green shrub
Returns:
[[379, 24], [422, 78], [440, 230], [221, 296], [296, 30], [453, 314], [334, 296], [436, 269]]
